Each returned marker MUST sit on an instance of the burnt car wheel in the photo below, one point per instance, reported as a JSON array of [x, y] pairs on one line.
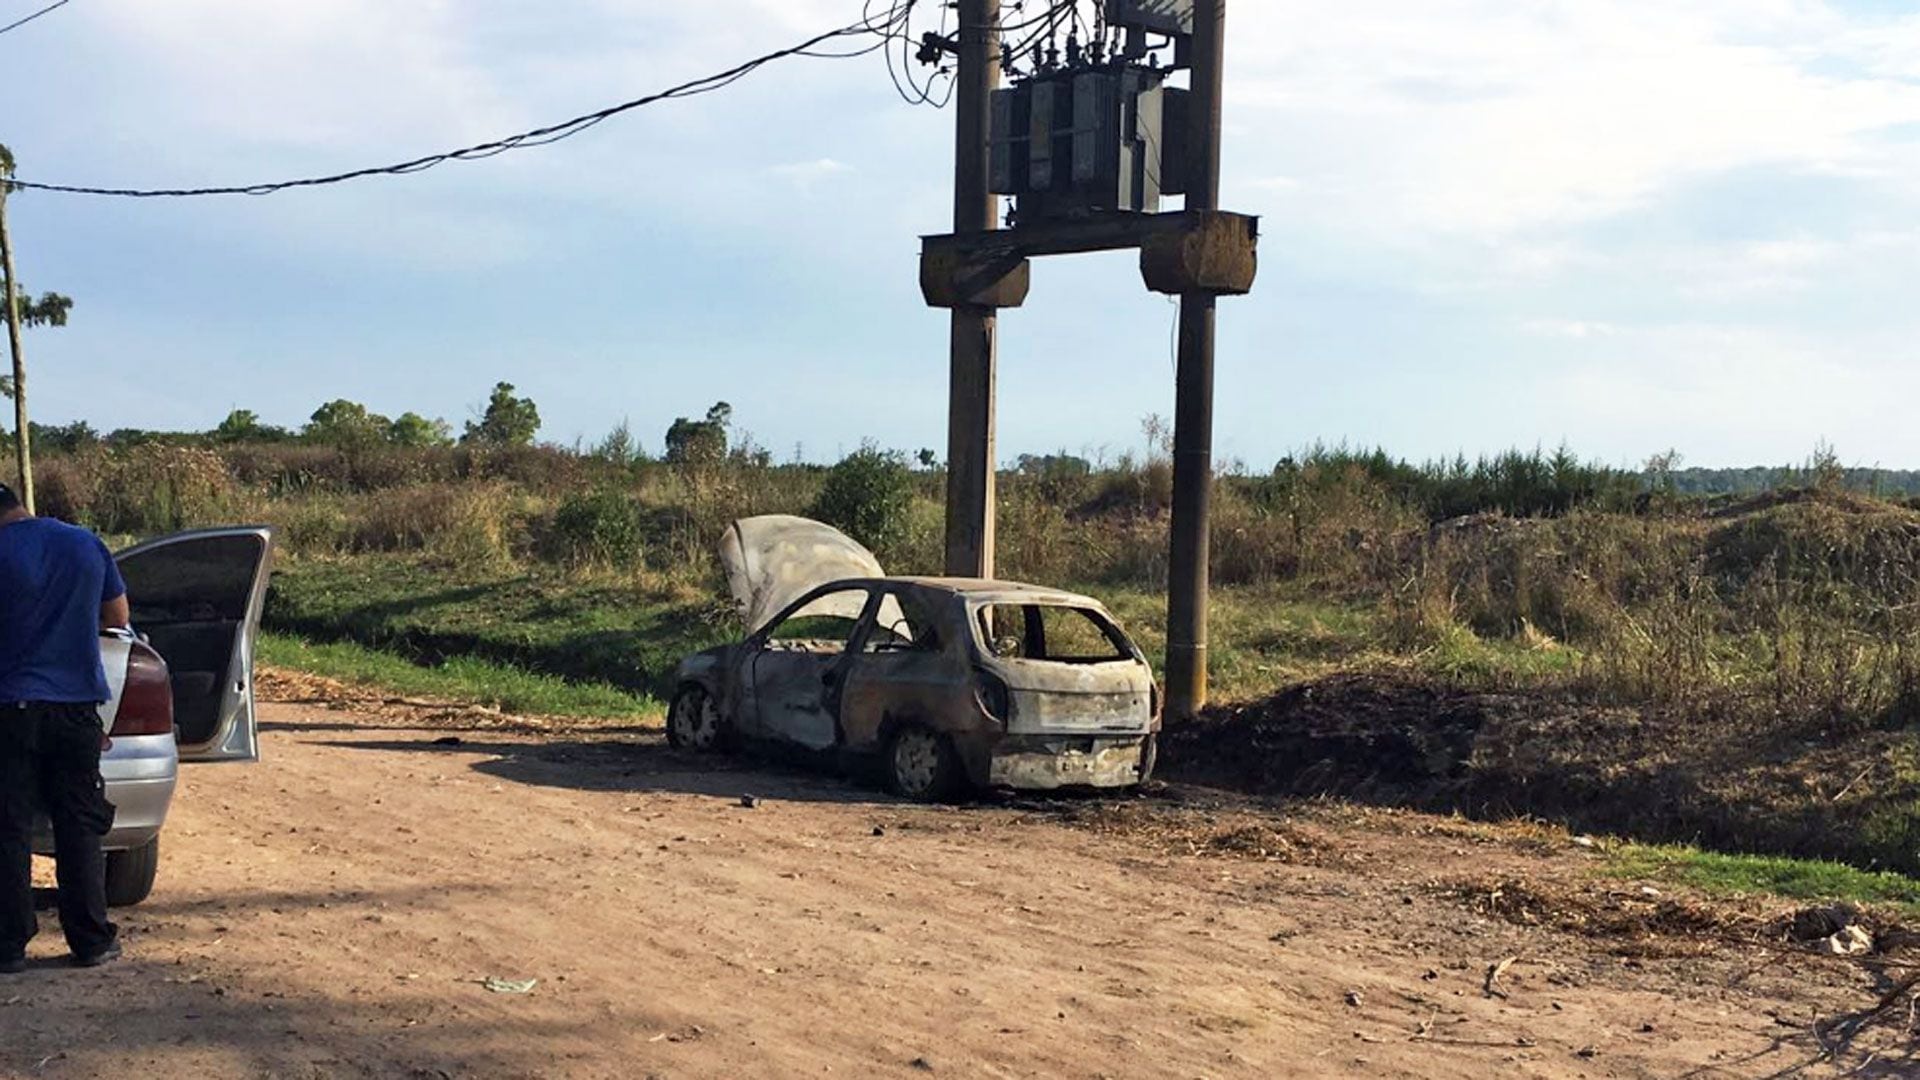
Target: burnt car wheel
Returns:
[[694, 721], [922, 765]]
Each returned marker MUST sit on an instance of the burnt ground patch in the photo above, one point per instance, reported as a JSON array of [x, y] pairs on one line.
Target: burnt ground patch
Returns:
[[1733, 781]]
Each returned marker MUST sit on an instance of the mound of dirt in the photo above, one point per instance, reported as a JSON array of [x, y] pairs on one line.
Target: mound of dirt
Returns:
[[1739, 782], [1388, 740]]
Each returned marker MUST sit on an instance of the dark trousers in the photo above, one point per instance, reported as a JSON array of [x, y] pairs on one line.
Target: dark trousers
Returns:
[[50, 760]]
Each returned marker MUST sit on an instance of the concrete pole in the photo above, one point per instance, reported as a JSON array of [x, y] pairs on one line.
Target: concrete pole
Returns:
[[1187, 585], [974, 356], [22, 433]]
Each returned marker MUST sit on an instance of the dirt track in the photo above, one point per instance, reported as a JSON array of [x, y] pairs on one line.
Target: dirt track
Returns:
[[335, 910]]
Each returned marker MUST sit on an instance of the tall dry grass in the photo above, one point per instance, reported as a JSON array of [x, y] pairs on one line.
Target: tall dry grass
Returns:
[[1805, 604]]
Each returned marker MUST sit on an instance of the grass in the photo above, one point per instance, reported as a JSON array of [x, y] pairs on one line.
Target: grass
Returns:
[[463, 679], [1268, 637], [1732, 875], [629, 633], [606, 630]]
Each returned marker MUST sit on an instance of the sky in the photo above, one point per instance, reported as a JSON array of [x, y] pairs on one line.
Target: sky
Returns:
[[1627, 227]]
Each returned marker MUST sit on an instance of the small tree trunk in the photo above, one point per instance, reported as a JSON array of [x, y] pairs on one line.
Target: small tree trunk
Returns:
[[22, 436]]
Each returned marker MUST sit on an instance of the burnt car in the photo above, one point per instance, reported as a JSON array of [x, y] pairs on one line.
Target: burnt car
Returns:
[[947, 684]]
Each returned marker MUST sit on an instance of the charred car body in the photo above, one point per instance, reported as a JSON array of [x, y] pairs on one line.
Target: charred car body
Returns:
[[949, 683]]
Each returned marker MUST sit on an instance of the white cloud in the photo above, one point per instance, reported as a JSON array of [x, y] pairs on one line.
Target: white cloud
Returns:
[[1568, 328], [1480, 117], [805, 174]]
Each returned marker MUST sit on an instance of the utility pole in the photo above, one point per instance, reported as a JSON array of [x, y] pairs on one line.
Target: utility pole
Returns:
[[1188, 587], [1087, 148], [22, 435], [974, 356]]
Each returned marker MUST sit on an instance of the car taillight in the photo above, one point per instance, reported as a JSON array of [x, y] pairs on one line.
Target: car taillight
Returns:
[[146, 701], [995, 700]]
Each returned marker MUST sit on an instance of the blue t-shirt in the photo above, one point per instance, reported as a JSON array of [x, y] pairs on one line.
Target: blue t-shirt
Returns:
[[53, 579]]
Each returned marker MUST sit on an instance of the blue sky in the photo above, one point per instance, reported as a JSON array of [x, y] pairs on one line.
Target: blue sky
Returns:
[[1630, 226]]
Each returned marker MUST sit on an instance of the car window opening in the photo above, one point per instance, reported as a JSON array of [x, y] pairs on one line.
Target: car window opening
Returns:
[[1054, 633]]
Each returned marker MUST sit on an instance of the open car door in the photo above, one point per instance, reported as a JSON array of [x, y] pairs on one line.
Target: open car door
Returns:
[[197, 597]]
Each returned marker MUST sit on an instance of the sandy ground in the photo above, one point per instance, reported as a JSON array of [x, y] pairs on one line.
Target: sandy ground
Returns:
[[337, 909]]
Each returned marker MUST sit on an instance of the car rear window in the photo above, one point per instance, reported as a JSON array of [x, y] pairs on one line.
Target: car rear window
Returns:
[[1055, 632]]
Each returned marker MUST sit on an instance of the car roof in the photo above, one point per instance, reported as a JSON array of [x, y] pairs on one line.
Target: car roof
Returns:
[[986, 590]]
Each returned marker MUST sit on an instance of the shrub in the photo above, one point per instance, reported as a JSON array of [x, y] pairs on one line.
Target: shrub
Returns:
[[868, 496], [156, 488], [602, 527]]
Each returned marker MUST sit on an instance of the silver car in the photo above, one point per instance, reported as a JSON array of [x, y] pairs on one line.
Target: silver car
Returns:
[[181, 683]]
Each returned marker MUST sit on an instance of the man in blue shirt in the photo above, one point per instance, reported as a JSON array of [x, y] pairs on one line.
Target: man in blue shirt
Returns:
[[58, 588]]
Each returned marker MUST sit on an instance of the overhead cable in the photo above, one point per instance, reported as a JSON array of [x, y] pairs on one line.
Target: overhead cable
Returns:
[[541, 136], [18, 23]]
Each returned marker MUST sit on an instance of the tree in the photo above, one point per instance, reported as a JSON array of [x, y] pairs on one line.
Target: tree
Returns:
[[50, 310], [508, 421], [66, 438], [346, 424], [17, 310], [700, 442], [243, 425], [414, 430]]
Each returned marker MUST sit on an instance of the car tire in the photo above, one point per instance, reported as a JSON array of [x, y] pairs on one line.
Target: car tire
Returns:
[[922, 765], [694, 722], [130, 873]]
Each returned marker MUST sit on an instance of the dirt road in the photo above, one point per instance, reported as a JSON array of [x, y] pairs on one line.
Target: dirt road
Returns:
[[336, 910]]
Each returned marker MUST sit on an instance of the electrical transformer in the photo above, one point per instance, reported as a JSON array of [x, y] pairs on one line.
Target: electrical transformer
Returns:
[[1081, 141], [1102, 133]]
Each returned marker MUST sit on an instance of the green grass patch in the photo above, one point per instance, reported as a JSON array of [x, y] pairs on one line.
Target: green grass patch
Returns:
[[1798, 879], [578, 628], [463, 679]]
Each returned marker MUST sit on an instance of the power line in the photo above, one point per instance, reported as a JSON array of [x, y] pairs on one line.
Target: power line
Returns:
[[18, 23], [542, 136], [895, 26]]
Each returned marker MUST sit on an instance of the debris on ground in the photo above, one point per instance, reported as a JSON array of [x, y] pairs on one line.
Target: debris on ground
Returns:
[[509, 986], [1494, 970], [1851, 941], [1200, 831]]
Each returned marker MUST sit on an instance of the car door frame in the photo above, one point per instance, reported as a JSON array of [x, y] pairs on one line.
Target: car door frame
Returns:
[[927, 686], [236, 736], [832, 679]]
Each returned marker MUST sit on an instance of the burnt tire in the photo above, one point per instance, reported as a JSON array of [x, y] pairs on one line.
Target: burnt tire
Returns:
[[922, 765], [694, 722], [130, 873]]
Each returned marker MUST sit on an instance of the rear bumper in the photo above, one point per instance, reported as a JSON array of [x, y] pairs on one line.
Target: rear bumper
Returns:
[[1047, 762], [141, 772]]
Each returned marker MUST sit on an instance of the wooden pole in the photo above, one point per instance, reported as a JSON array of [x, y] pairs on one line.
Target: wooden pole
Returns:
[[22, 434], [973, 355]]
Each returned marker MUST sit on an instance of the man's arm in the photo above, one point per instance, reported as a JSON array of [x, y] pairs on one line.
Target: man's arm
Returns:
[[115, 614]]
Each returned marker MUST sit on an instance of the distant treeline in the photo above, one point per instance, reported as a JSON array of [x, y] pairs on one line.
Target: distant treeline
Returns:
[[1521, 483], [1752, 481]]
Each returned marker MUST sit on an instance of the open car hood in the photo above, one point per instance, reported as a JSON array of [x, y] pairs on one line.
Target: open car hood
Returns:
[[772, 561]]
